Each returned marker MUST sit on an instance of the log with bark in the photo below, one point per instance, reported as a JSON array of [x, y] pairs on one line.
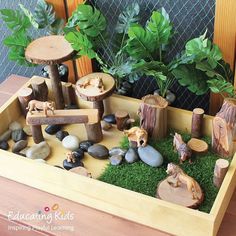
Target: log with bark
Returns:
[[224, 129], [221, 168], [153, 116], [197, 120]]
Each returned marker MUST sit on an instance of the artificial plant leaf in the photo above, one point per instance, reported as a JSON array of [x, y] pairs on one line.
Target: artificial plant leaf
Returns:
[[221, 86], [141, 43], [224, 69], [88, 19], [128, 17], [161, 28], [194, 80], [30, 16], [15, 20], [44, 14], [80, 43], [17, 40], [57, 27]]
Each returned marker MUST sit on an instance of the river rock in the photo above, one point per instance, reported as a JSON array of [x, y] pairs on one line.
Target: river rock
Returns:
[[81, 171], [61, 134], [52, 129], [70, 142], [78, 154], [131, 155], [18, 135], [105, 125], [69, 165], [150, 156], [18, 146], [15, 126], [39, 151], [27, 130], [110, 118], [117, 151], [4, 145], [115, 160], [6, 135], [98, 151], [84, 145], [23, 151]]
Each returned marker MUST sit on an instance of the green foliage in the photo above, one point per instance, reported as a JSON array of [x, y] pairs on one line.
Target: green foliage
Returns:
[[127, 18], [15, 20], [201, 68], [30, 16], [144, 179]]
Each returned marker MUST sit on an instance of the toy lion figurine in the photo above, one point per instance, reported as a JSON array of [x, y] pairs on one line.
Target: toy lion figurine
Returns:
[[179, 177], [138, 135], [95, 82], [35, 105]]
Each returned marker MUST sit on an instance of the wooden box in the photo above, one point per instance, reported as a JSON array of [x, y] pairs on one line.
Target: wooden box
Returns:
[[127, 204]]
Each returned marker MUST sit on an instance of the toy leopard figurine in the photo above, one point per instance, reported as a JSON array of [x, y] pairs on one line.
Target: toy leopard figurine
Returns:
[[138, 135], [35, 105], [95, 82]]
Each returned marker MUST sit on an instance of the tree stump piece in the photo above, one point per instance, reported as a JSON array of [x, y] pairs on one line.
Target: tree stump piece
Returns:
[[197, 145], [69, 94], [221, 168], [25, 95], [224, 129], [40, 88], [153, 116], [37, 133], [178, 195], [197, 120], [123, 120], [94, 132]]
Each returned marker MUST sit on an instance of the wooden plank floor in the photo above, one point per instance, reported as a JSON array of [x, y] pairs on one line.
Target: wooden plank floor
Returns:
[[87, 221]]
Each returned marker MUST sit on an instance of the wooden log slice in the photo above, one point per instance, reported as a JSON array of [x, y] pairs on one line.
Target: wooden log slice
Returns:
[[198, 145], [121, 119], [179, 195], [221, 168], [25, 95], [197, 121]]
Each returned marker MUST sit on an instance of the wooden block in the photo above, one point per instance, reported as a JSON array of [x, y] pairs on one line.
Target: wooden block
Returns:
[[197, 121], [221, 168], [24, 97], [40, 88], [63, 117], [198, 145]]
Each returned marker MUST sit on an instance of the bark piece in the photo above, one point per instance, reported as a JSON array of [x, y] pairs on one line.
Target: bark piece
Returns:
[[25, 95], [40, 88], [69, 94], [37, 133], [153, 116], [94, 132], [197, 120], [221, 168], [198, 145], [123, 120]]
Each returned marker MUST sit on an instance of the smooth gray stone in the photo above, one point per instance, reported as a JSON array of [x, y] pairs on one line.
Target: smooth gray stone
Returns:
[[131, 155], [150, 156], [6, 135], [52, 129], [4, 145], [61, 134], [18, 135], [116, 160], [23, 151], [18, 146], [117, 151], [69, 165], [15, 126], [84, 145], [71, 142], [39, 151], [110, 118], [98, 151], [105, 125]]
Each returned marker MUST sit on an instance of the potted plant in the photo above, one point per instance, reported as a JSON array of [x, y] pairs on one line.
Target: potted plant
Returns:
[[22, 22]]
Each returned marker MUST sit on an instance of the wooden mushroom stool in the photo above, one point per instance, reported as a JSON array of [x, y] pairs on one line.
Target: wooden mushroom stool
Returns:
[[51, 50], [88, 89]]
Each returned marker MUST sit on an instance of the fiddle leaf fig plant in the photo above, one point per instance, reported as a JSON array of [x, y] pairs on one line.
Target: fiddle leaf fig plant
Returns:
[[201, 68]]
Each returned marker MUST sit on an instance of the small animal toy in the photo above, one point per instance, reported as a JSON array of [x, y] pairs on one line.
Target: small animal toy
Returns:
[[179, 176], [70, 157], [95, 82], [35, 105], [182, 148], [138, 135]]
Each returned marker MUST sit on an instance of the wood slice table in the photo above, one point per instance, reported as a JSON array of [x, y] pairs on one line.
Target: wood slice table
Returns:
[[92, 93], [51, 50]]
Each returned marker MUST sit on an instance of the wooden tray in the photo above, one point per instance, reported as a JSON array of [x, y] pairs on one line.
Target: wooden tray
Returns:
[[124, 203]]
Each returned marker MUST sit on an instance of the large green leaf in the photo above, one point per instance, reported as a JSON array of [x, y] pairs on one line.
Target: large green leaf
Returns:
[[30, 16], [80, 43], [88, 19], [161, 27], [221, 86], [44, 14], [128, 17], [141, 43], [15, 20], [194, 80]]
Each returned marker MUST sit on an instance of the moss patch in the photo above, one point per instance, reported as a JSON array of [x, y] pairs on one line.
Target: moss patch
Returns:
[[142, 178]]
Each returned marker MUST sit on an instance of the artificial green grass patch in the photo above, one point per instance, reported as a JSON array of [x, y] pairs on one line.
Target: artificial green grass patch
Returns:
[[140, 177]]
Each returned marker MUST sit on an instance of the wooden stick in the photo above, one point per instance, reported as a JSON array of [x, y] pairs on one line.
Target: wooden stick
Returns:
[[69, 94], [94, 132], [99, 105], [197, 120], [37, 133], [40, 89], [56, 86], [221, 168], [24, 96]]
